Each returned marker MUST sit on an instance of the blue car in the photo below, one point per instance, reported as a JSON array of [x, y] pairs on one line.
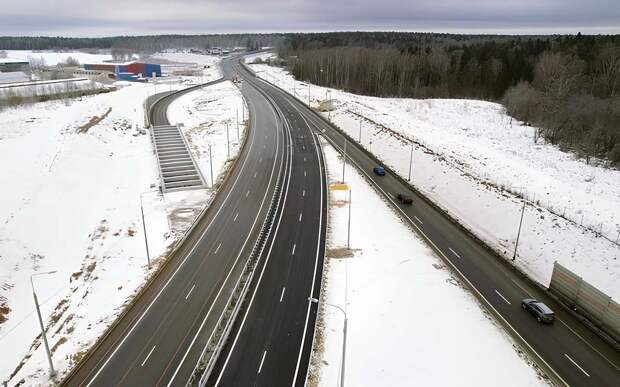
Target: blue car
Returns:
[[379, 171]]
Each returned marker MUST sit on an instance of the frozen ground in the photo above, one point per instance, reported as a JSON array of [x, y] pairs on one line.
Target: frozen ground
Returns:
[[75, 174], [52, 58], [206, 115], [475, 162], [384, 287]]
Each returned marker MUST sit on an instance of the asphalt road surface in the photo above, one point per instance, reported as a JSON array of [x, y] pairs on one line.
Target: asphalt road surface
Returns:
[[158, 340], [264, 351], [272, 339]]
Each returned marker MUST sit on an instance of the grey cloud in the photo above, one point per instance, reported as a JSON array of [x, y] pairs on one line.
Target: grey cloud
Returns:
[[112, 17]]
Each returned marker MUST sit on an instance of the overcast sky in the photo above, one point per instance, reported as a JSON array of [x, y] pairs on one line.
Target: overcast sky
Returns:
[[137, 17]]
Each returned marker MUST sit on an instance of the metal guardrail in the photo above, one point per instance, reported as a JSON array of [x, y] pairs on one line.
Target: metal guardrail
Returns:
[[578, 294]]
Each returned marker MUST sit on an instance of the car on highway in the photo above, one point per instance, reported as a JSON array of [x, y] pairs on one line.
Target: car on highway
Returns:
[[379, 171], [542, 312], [405, 199]]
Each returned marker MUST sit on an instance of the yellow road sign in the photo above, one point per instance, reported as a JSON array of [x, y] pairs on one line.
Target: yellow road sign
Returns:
[[338, 187]]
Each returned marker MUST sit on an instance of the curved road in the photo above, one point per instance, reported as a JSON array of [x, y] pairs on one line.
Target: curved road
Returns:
[[567, 351]]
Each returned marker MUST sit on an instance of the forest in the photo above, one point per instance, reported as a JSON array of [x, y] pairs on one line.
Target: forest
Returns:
[[565, 85]]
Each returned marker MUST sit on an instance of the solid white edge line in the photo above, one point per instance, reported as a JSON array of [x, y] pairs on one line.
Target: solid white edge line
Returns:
[[577, 365], [181, 264], [260, 277], [318, 249], [190, 291], [588, 344], [147, 356], [260, 367], [503, 298], [231, 270]]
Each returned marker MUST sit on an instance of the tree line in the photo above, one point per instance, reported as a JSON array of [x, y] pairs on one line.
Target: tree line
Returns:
[[565, 85]]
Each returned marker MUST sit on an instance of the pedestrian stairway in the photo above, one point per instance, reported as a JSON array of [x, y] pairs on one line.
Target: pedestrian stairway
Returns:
[[177, 168]]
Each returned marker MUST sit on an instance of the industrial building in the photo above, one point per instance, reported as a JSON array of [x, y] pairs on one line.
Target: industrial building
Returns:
[[7, 65], [133, 71]]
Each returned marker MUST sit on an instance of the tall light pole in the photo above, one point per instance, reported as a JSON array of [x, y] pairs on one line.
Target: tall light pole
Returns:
[[349, 223], [344, 159], [43, 334], [227, 141], [410, 162], [514, 256], [211, 164], [308, 94], [344, 338], [146, 241], [359, 138]]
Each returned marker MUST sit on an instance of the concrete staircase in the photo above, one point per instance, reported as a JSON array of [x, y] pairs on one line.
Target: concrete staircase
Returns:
[[177, 168]]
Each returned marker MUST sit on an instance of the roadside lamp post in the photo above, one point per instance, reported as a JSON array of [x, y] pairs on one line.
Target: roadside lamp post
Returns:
[[410, 162], [227, 141], [43, 334], [514, 256], [146, 241], [211, 164], [344, 337], [344, 159], [349, 222], [308, 94], [359, 138]]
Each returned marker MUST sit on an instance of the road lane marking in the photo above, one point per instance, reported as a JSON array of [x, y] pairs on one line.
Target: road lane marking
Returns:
[[503, 298], [255, 174], [304, 159], [260, 367], [454, 252], [236, 216], [588, 344], [294, 246], [190, 291], [300, 215], [418, 219], [303, 193], [577, 365], [218, 248], [282, 295], [304, 173], [247, 193], [147, 356]]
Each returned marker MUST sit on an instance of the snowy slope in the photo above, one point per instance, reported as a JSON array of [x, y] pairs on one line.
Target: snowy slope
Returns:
[[74, 206], [387, 287], [472, 160]]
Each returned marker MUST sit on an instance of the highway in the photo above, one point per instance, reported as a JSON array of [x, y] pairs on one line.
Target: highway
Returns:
[[158, 339], [264, 349]]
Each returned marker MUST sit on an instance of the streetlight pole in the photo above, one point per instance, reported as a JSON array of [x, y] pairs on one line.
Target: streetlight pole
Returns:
[[43, 334], [349, 223], [359, 139], [344, 338], [211, 164], [308, 94], [410, 162], [227, 141], [146, 241], [344, 159], [514, 256]]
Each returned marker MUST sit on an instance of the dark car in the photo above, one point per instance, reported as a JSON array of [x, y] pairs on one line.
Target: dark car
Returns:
[[405, 199], [380, 171], [542, 312]]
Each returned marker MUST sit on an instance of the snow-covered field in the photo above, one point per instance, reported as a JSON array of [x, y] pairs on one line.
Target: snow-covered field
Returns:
[[74, 177], [260, 55], [206, 114], [52, 58], [474, 161], [396, 277]]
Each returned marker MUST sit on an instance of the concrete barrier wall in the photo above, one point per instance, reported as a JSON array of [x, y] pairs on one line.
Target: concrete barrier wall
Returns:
[[598, 307]]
